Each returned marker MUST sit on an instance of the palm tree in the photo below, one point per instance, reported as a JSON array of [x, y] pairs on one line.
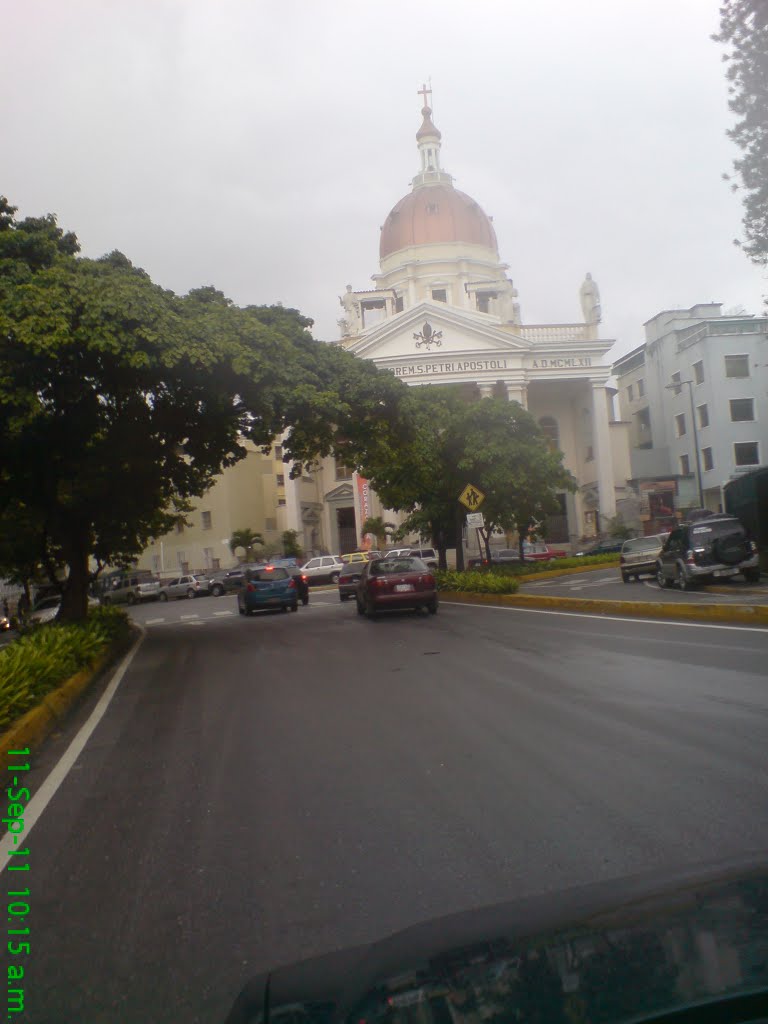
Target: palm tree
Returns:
[[246, 539], [379, 529]]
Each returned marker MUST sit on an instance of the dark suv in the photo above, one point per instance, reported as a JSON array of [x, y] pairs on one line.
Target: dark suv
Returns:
[[705, 550]]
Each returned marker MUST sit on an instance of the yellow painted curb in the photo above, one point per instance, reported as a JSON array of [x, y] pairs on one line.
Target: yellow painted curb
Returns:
[[752, 615], [551, 574], [39, 722]]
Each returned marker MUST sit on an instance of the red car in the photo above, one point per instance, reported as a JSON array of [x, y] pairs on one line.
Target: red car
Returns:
[[401, 582], [542, 552]]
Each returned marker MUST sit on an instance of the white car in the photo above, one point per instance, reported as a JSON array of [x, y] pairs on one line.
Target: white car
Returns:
[[323, 569], [45, 610]]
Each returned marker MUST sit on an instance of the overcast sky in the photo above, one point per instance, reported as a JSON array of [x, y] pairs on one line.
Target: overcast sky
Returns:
[[259, 146]]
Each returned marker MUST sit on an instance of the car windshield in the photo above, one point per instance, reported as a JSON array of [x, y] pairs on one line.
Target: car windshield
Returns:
[[710, 529], [642, 544], [391, 566], [267, 575]]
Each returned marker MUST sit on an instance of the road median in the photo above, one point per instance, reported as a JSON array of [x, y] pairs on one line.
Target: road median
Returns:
[[744, 614]]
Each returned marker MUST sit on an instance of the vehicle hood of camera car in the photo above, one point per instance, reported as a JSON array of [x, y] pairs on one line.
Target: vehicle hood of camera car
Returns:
[[619, 951]]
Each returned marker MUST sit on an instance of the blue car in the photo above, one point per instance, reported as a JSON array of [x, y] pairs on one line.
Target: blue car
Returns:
[[268, 587]]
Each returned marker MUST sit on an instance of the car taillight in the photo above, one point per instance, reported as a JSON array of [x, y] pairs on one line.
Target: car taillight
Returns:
[[291, 584], [304, 578], [250, 588]]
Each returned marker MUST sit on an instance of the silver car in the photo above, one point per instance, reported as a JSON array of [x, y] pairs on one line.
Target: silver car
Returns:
[[131, 588], [639, 556], [323, 569], [185, 586]]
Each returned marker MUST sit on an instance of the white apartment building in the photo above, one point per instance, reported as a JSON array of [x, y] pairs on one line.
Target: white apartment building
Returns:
[[696, 397]]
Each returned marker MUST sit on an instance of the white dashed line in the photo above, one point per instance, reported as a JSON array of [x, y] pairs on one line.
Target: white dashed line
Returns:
[[185, 617], [223, 613], [195, 622], [152, 622]]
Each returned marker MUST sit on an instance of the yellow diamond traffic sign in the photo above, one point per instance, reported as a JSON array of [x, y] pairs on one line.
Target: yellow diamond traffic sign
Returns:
[[471, 497]]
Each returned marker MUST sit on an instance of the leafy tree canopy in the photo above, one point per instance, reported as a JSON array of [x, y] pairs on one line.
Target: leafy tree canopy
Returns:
[[120, 401], [744, 30]]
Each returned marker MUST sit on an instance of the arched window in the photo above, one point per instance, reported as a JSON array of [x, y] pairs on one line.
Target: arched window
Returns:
[[549, 428]]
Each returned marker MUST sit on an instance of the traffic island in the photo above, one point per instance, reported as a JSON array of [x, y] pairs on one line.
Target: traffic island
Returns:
[[743, 614]]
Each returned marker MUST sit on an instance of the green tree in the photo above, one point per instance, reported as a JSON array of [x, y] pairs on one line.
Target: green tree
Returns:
[[291, 546], [246, 539], [744, 30], [441, 442], [380, 529], [120, 401]]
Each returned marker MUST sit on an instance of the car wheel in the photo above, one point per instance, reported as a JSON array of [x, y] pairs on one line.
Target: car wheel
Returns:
[[162, 597], [359, 605], [294, 607], [190, 593], [370, 611], [305, 601], [334, 578], [682, 580], [661, 579], [217, 591], [432, 607], [344, 597], [625, 578], [751, 575], [284, 608], [131, 599]]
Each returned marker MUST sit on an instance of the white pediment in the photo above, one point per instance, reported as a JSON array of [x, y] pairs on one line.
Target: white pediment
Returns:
[[342, 492], [438, 330]]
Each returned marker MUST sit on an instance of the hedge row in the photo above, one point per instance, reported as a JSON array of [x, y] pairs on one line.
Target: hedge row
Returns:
[[476, 581], [41, 660], [531, 568]]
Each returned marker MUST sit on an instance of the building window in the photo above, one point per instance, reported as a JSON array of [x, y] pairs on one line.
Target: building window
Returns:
[[630, 393], [676, 380], [745, 453], [698, 372], [181, 559], [399, 304], [742, 409], [155, 563], [709, 462], [281, 479], [439, 295], [703, 414], [280, 502], [549, 428], [737, 366], [208, 556], [342, 472], [278, 451], [680, 424], [640, 388], [270, 524], [590, 454], [179, 526], [207, 521], [685, 465]]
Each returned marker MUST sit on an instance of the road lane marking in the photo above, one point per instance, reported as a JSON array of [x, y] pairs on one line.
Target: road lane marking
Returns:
[[608, 618], [223, 613], [197, 622], [152, 622], [47, 791], [183, 617]]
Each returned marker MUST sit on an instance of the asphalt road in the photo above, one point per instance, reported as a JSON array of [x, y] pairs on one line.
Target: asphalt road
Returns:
[[265, 789], [607, 584]]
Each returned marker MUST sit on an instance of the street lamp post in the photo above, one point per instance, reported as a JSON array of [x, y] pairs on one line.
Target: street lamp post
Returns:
[[676, 387]]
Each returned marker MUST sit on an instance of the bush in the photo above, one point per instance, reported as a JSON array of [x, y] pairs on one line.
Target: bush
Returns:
[[475, 581], [47, 655], [531, 568]]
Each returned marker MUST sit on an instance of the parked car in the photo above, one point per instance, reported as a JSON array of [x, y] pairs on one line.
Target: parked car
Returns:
[[427, 555], [708, 549], [603, 547], [227, 581], [300, 580], [348, 578], [540, 552], [396, 582], [503, 556], [360, 556], [323, 569], [46, 609], [130, 588], [268, 588], [185, 586], [639, 556]]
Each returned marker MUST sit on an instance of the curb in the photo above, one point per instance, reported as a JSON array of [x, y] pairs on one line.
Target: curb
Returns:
[[36, 725], [744, 614], [552, 574]]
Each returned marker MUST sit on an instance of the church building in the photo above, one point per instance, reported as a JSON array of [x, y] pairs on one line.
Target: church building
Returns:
[[444, 311]]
